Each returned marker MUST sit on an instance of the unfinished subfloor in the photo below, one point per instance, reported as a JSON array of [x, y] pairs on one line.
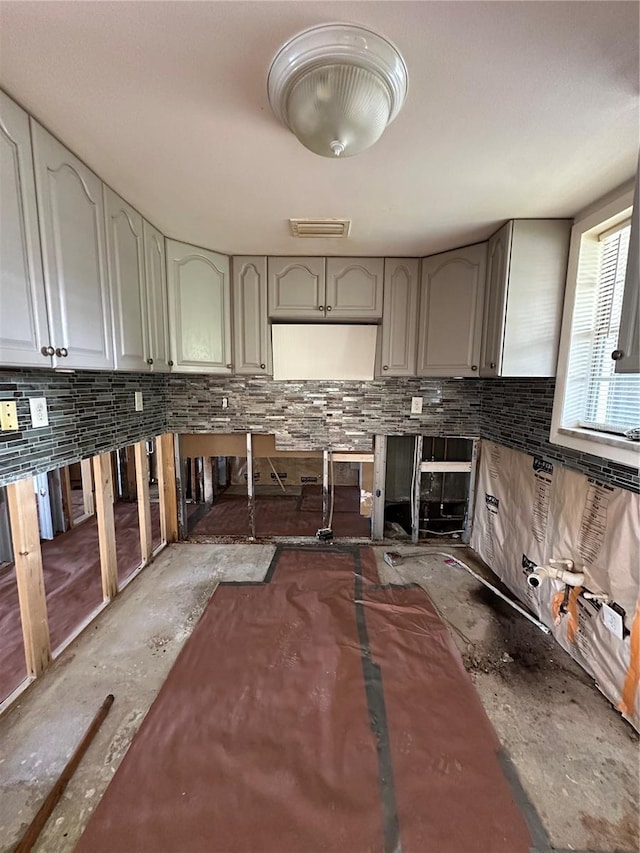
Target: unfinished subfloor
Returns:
[[575, 757]]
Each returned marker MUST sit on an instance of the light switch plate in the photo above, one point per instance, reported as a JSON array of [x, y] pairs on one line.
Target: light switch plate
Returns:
[[416, 405], [39, 413], [613, 620], [138, 401], [8, 415]]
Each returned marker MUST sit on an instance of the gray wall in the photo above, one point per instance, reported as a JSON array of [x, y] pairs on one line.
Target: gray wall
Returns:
[[94, 412]]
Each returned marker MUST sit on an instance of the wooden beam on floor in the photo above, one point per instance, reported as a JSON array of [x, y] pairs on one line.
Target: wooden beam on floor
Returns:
[[103, 474], [25, 533], [67, 504], [165, 456], [87, 487], [144, 505]]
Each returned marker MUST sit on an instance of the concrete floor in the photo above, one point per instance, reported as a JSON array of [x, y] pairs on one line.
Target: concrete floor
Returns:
[[576, 758]]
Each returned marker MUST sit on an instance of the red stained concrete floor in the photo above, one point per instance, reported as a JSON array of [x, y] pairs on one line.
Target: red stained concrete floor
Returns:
[[73, 586]]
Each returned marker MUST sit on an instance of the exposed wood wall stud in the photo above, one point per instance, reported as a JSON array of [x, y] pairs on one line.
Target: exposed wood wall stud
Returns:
[[250, 490], [165, 458], [25, 532], [87, 487], [144, 506], [67, 504], [103, 473]]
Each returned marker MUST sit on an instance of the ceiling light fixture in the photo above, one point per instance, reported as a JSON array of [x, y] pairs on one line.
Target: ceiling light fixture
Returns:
[[336, 87]]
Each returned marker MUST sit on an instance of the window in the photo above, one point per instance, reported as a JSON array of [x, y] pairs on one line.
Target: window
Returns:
[[594, 405]]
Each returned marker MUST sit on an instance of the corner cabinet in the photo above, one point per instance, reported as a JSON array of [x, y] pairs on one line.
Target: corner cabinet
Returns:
[[24, 328], [251, 332], [125, 252], [72, 231], [526, 277], [451, 312], [400, 317], [199, 289]]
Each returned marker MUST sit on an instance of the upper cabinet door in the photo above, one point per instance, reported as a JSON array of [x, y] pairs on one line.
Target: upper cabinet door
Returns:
[[71, 215], [199, 309], [400, 317], [354, 288], [296, 288], [451, 302], [125, 252], [251, 338], [155, 268], [627, 357], [498, 251], [23, 308]]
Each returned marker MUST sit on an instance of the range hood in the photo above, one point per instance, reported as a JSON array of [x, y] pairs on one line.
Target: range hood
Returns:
[[323, 351]]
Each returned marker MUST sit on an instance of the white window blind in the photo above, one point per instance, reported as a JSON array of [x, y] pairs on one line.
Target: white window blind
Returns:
[[597, 397]]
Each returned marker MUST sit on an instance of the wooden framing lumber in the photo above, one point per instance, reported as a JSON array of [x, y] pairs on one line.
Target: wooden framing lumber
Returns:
[[25, 532], [67, 505], [165, 455], [87, 487], [130, 471], [251, 500], [208, 463], [103, 473], [144, 505]]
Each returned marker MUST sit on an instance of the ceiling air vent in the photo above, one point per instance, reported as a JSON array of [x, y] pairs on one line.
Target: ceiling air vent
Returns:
[[320, 227]]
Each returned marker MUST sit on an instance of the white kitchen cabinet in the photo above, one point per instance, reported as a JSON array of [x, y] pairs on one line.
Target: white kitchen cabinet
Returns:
[[526, 276], [354, 288], [72, 231], [199, 309], [125, 254], [155, 269], [451, 306], [251, 333], [296, 288], [24, 330], [400, 317]]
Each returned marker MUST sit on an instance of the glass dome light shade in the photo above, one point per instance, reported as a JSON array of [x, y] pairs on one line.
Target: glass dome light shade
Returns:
[[336, 87]]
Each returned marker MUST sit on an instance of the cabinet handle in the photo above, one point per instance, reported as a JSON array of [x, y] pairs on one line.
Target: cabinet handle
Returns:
[[149, 361], [262, 366], [170, 363], [474, 367], [617, 354], [47, 351], [492, 365], [328, 307], [62, 352], [385, 367], [230, 366], [320, 307]]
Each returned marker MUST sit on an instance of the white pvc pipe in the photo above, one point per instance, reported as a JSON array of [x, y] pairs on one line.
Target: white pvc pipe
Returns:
[[563, 575]]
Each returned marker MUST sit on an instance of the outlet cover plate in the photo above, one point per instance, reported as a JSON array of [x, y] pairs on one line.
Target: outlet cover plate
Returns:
[[416, 405], [8, 415], [39, 413], [139, 401], [613, 620]]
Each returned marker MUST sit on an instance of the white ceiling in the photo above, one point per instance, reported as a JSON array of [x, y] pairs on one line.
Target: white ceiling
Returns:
[[515, 109]]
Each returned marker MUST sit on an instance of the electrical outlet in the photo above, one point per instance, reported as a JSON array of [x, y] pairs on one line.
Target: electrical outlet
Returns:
[[39, 413], [8, 415], [613, 620], [139, 402], [416, 405], [225, 402]]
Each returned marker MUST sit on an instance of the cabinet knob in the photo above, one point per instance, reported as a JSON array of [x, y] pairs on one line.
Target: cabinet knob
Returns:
[[262, 366], [47, 351], [328, 307], [474, 367], [149, 361], [62, 352], [230, 366], [320, 307], [492, 365], [617, 354], [170, 363], [385, 367]]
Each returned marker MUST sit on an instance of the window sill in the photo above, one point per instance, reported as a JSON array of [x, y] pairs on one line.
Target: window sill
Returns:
[[603, 444]]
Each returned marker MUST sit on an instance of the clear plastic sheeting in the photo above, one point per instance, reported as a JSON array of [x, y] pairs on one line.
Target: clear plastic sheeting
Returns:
[[529, 511]]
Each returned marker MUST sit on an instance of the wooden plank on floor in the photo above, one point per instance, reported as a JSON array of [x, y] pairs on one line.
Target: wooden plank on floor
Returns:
[[103, 473], [25, 532], [167, 487], [144, 505], [87, 487]]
